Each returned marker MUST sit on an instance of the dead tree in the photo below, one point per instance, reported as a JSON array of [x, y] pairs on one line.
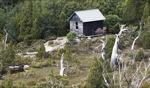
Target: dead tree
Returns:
[[104, 49], [132, 47], [62, 68], [115, 47], [5, 41]]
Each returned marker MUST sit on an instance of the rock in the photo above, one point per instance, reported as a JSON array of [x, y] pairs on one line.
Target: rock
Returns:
[[26, 67]]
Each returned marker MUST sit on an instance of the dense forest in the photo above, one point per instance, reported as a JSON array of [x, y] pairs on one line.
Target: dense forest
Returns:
[[26, 20], [25, 25]]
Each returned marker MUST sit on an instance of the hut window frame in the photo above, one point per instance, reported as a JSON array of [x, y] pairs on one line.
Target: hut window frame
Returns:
[[77, 26]]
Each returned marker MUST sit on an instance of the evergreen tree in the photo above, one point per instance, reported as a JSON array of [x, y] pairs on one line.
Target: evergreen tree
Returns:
[[134, 10], [62, 23], [146, 12], [26, 21], [95, 77], [36, 30]]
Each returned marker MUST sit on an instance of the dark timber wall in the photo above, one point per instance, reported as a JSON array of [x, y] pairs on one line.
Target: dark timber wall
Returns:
[[89, 28]]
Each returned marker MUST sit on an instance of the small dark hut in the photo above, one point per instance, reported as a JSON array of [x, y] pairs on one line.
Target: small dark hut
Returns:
[[87, 22]]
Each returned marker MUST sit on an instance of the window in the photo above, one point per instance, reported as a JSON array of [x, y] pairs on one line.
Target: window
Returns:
[[77, 25]]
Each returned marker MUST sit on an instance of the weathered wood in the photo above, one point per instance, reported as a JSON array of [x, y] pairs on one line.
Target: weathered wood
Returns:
[[85, 28]]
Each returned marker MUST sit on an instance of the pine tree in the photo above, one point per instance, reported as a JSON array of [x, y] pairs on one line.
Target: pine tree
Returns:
[[36, 30], [134, 10], [62, 23], [95, 77], [146, 12], [25, 21]]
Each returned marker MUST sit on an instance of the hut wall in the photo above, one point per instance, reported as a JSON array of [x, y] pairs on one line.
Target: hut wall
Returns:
[[89, 28]]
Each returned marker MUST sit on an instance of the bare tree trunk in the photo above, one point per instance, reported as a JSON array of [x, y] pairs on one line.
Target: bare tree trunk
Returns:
[[5, 41], [132, 47], [115, 47], [114, 52], [62, 68], [104, 49]]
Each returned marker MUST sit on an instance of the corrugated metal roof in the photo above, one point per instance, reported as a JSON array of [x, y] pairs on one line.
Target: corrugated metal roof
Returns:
[[90, 15]]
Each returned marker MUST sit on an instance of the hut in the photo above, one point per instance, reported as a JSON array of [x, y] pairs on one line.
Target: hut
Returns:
[[87, 22]]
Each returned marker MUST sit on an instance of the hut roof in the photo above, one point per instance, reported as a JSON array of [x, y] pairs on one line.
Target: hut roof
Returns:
[[89, 15]]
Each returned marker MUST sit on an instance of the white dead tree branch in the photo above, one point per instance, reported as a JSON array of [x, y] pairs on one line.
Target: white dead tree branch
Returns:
[[115, 47], [140, 75], [132, 47], [62, 68], [6, 36], [104, 48]]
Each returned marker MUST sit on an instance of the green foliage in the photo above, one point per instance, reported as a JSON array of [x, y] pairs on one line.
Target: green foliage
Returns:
[[109, 46], [21, 85], [71, 36], [7, 83], [21, 61], [134, 10], [42, 85], [146, 12], [60, 51], [55, 81], [145, 85], [42, 63], [147, 23], [144, 39], [140, 55], [42, 53], [7, 57], [62, 23], [2, 19], [112, 23], [32, 83], [30, 20], [95, 77]]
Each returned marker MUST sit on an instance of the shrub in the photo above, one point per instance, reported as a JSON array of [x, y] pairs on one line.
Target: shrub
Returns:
[[42, 53], [140, 55], [31, 83], [147, 24], [42, 85], [109, 46], [95, 77], [7, 83], [21, 85], [112, 23], [145, 85], [43, 63], [7, 56], [144, 39], [71, 36]]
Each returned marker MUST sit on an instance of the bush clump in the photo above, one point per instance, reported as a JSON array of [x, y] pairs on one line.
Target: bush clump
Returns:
[[140, 55], [109, 46], [42, 53], [144, 39], [71, 36], [40, 64], [112, 23]]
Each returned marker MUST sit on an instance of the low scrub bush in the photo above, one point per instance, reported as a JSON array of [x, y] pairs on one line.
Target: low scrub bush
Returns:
[[42, 53], [43, 63], [140, 55], [144, 40], [109, 46], [71, 36]]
